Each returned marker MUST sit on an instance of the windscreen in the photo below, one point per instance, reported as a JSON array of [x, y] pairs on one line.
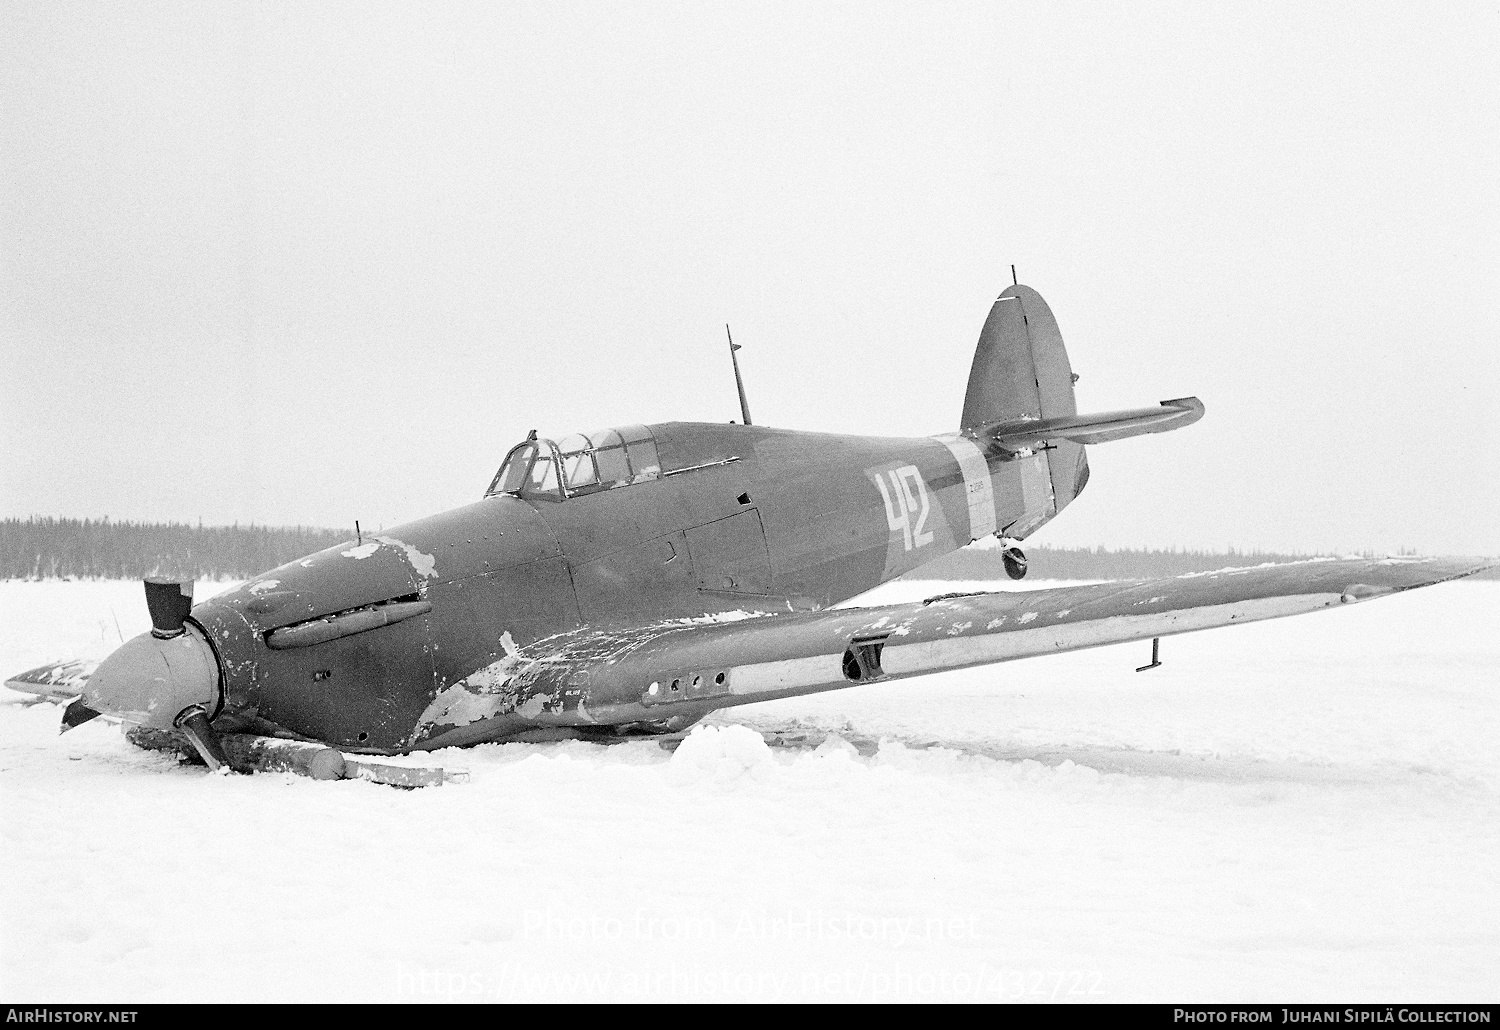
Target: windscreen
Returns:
[[600, 460]]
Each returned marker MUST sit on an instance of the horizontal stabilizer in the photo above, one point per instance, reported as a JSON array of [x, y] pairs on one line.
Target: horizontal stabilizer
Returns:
[[1101, 428]]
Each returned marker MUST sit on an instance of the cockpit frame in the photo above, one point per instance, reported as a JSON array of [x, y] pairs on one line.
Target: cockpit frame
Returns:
[[581, 463]]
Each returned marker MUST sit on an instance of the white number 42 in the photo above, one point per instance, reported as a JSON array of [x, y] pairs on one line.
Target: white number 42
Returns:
[[904, 499]]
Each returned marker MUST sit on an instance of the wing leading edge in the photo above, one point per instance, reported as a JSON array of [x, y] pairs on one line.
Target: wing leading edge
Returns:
[[654, 672]]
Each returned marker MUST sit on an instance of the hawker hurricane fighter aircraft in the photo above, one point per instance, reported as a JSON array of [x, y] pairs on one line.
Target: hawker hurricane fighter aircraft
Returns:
[[633, 580]]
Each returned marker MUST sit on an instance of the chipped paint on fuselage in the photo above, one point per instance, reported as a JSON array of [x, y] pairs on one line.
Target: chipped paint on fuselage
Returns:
[[758, 520]]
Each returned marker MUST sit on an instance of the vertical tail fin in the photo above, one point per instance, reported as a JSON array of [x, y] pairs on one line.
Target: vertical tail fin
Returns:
[[1021, 371]]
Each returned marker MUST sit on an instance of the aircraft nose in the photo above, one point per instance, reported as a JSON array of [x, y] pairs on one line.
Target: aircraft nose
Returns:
[[152, 681]]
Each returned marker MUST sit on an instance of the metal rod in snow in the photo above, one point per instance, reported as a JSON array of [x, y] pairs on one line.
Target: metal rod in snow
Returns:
[[739, 384]]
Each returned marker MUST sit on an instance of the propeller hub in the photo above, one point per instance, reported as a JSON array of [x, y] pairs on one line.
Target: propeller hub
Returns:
[[152, 680]]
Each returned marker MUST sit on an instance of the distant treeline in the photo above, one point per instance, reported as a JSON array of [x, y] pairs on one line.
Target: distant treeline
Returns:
[[89, 549]]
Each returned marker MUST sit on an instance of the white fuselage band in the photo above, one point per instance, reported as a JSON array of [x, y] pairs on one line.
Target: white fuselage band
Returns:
[[977, 487]]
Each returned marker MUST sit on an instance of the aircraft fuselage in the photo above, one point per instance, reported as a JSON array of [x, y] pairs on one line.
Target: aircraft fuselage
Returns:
[[354, 644]]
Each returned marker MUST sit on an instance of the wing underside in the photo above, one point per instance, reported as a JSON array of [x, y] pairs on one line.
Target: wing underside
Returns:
[[651, 672]]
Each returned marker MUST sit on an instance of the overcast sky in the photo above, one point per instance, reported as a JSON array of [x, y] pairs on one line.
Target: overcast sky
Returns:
[[307, 263]]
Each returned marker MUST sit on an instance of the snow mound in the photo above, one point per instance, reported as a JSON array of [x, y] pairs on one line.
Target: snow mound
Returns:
[[833, 744], [721, 754]]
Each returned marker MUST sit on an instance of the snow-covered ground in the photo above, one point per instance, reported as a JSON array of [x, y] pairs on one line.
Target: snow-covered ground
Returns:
[[1304, 809]]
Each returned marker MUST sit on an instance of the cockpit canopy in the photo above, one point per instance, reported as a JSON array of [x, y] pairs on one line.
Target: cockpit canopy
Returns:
[[579, 464]]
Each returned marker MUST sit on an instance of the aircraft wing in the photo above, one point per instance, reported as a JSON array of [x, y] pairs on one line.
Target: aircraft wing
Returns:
[[759, 658], [59, 681], [1090, 429]]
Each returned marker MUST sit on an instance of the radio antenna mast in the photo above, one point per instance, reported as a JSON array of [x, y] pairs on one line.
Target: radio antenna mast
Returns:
[[739, 384]]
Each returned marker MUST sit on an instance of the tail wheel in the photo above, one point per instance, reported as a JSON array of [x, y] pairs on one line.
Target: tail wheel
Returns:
[[1015, 562]]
